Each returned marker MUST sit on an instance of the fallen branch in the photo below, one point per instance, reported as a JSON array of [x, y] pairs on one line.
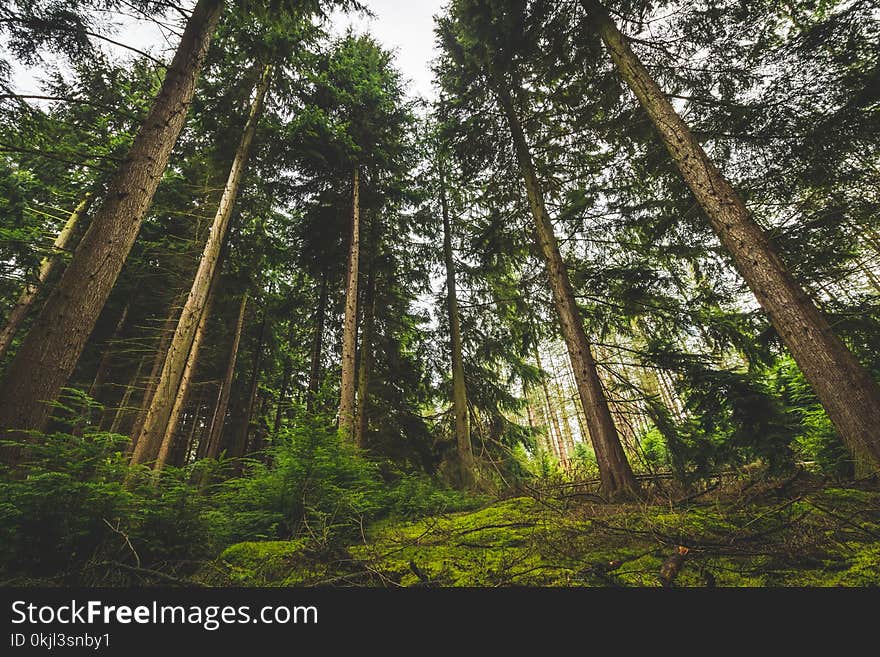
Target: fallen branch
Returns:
[[153, 573], [518, 525], [843, 519]]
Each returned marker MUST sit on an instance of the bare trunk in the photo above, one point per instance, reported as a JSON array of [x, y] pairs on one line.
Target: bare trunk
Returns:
[[614, 469], [193, 426], [123, 409], [567, 433], [538, 420], [212, 450], [317, 350], [459, 387], [51, 349], [256, 445], [562, 404], [241, 441], [107, 357], [192, 360], [578, 409], [161, 407], [183, 447], [349, 336], [553, 428], [285, 382], [366, 360], [849, 394], [153, 378], [47, 266]]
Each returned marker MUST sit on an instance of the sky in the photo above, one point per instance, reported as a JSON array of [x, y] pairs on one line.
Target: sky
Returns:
[[404, 26]]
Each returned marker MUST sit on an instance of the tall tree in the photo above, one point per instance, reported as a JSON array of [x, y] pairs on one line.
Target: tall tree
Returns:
[[52, 347], [484, 45], [348, 385], [459, 387], [848, 392], [47, 266], [161, 406]]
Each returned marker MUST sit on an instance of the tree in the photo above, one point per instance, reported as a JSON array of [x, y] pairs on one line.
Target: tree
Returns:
[[848, 392], [459, 387], [496, 62], [52, 347], [168, 387]]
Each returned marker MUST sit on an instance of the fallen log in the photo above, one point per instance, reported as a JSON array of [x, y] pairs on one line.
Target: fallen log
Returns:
[[672, 566]]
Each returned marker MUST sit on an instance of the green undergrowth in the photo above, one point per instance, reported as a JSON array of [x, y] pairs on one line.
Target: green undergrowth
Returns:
[[780, 536]]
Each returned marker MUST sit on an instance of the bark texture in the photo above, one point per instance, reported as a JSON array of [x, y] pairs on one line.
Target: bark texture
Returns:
[[849, 394], [349, 329], [51, 349], [614, 469], [162, 404]]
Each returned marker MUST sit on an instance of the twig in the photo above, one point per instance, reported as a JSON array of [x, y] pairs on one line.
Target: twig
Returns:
[[127, 540], [153, 573], [843, 519]]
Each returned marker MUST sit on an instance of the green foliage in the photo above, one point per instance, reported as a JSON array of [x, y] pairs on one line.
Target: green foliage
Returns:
[[75, 513], [68, 516], [315, 485], [817, 441], [654, 448]]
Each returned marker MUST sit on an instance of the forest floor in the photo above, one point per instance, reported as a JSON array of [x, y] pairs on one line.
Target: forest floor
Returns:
[[795, 532]]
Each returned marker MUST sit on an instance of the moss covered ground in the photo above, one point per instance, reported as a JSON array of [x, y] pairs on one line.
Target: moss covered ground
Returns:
[[792, 533]]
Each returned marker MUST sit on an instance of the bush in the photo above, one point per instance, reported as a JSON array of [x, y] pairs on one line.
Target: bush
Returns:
[[67, 515], [75, 513], [312, 483]]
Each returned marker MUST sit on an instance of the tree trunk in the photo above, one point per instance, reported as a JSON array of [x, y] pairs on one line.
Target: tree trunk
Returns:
[[349, 335], [241, 441], [539, 422], [366, 359], [123, 408], [180, 399], [194, 424], [567, 433], [614, 470], [47, 265], [459, 388], [158, 360], [553, 429], [183, 445], [317, 349], [559, 391], [107, 357], [256, 444], [212, 450], [285, 382], [155, 426], [578, 409], [52, 347], [849, 394]]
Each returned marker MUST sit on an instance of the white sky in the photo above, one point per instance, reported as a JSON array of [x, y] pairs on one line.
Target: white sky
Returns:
[[403, 26], [406, 26]]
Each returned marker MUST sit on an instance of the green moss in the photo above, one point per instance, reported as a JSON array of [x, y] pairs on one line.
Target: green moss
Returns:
[[827, 538], [270, 563]]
